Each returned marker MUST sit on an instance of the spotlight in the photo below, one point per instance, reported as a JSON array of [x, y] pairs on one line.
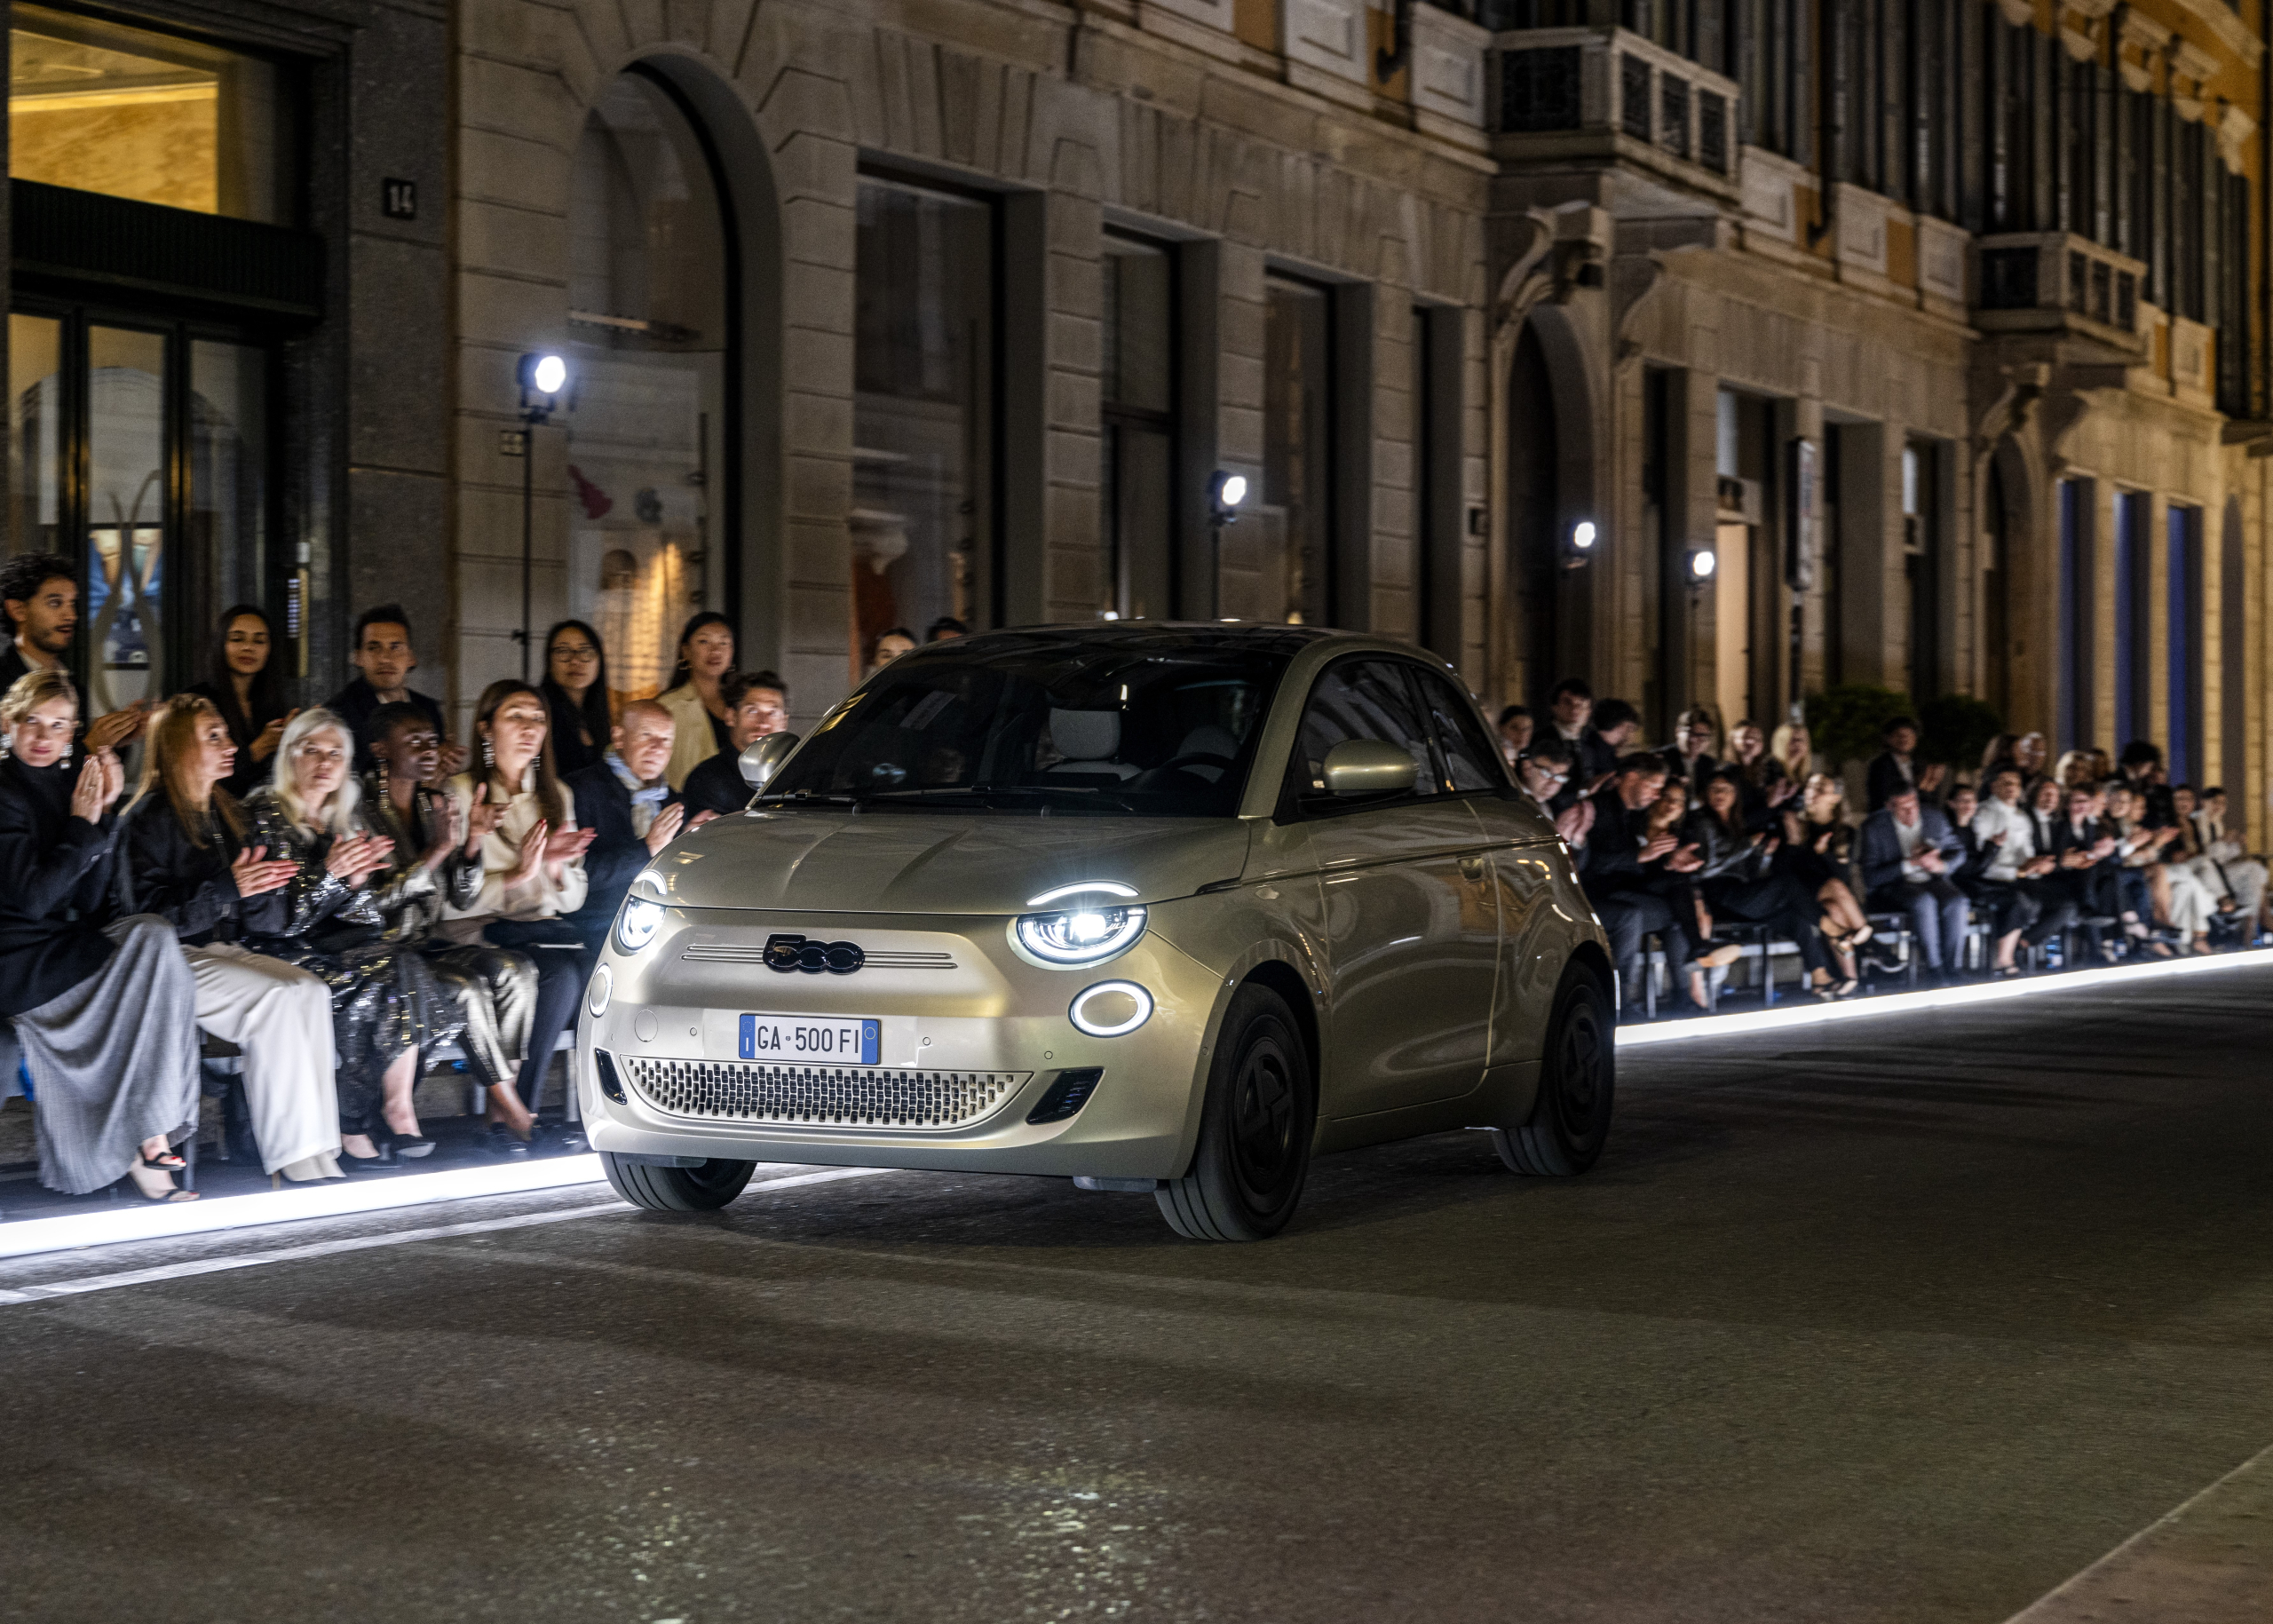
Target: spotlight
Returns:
[[1702, 565], [1225, 495], [1579, 544], [543, 374]]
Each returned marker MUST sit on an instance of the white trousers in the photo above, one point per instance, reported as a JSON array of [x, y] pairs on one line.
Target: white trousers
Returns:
[[2244, 878], [280, 1017], [2192, 904]]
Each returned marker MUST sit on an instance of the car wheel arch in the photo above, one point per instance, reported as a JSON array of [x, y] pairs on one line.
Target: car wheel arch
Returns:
[[1284, 979]]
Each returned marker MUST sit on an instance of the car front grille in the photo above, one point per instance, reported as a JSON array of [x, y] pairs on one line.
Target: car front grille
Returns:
[[821, 1096]]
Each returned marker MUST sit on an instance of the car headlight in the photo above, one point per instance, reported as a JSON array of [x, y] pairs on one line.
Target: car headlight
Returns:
[[641, 915], [1081, 935]]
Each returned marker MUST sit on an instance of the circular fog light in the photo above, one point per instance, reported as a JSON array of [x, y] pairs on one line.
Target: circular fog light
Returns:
[[603, 989], [1110, 1008]]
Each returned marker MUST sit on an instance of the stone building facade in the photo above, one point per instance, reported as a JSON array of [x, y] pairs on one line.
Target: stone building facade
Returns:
[[1937, 329]]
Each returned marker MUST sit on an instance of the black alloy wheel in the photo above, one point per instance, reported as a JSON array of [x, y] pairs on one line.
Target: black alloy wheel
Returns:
[[1255, 1128], [1570, 1118]]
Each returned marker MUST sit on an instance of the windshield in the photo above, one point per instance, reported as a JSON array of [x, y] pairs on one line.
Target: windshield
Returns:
[[1143, 723]]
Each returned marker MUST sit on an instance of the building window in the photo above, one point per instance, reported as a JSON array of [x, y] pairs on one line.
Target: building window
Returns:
[[2077, 555], [2134, 640], [140, 450], [2182, 597], [652, 346], [99, 106], [1136, 388], [1921, 547], [1278, 568], [923, 413]]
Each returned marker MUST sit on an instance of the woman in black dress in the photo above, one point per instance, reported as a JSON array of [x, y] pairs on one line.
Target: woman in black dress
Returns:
[[103, 1006], [575, 692], [1740, 881], [248, 689]]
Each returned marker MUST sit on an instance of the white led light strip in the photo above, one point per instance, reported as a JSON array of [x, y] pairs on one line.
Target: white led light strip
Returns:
[[332, 1198], [1810, 1013]]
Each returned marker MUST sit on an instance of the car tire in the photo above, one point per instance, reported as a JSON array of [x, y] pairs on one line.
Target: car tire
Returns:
[[1569, 1120], [1256, 1127], [699, 1189]]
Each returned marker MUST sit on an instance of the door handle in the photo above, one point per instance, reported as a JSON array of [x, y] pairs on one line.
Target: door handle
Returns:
[[1472, 867]]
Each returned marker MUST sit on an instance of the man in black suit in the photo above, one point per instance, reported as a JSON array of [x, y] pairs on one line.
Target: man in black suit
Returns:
[[625, 800], [1897, 767], [383, 660], [1624, 871], [1907, 853], [757, 703]]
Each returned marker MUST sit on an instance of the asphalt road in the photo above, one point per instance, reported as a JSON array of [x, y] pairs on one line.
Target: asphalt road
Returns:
[[1897, 1320]]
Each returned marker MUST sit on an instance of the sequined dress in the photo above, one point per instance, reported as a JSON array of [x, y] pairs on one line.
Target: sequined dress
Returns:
[[385, 996]]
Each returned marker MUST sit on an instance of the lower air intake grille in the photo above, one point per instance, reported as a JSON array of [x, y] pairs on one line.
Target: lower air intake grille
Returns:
[[821, 1095]]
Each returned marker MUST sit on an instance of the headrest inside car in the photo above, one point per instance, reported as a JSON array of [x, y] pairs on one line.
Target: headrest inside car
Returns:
[[1085, 735]]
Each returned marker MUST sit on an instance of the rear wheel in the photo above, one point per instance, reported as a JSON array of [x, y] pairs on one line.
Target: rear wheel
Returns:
[[1255, 1128], [1570, 1120], [697, 1189]]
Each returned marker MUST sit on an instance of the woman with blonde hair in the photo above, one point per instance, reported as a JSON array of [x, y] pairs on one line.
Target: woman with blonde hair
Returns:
[[189, 859], [533, 875], [1793, 750], [387, 1005], [103, 1005]]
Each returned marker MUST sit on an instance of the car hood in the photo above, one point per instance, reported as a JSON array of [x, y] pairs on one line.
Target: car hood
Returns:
[[941, 863]]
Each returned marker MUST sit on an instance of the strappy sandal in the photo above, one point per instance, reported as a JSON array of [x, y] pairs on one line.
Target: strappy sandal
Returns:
[[164, 1161]]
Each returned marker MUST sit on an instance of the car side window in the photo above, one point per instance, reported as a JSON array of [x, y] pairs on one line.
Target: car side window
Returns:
[[1357, 699], [1471, 763]]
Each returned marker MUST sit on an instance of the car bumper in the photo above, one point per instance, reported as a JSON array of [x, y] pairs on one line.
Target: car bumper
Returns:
[[673, 1011]]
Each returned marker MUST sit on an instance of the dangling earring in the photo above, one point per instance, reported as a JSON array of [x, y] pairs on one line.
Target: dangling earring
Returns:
[[488, 757], [382, 780]]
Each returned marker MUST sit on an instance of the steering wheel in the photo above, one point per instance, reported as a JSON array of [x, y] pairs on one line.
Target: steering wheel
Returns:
[[1206, 759]]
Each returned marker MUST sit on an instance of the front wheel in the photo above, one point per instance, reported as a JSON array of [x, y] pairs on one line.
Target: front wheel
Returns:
[[1255, 1126], [1570, 1120], [705, 1188]]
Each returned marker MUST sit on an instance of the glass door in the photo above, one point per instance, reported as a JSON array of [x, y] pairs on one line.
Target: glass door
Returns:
[[139, 453]]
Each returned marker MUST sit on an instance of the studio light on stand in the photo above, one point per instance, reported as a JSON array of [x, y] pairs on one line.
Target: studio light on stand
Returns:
[[1700, 564], [543, 379], [1225, 493]]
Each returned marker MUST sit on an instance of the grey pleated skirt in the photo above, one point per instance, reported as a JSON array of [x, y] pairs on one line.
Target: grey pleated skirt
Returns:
[[114, 1059]]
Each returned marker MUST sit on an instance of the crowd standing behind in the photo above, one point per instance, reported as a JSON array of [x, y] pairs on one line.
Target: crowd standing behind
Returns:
[[2097, 856], [338, 890]]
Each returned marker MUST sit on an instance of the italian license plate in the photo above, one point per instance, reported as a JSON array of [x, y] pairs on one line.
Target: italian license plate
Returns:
[[849, 1040]]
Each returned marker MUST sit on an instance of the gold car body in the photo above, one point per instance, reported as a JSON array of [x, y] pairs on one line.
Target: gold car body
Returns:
[[1420, 946]]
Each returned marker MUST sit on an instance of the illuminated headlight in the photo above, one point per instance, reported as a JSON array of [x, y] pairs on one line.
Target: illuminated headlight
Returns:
[[1110, 1008], [1081, 935], [642, 914]]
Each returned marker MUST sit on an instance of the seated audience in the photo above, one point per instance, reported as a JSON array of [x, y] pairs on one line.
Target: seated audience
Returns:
[[103, 1005], [188, 860], [1759, 775], [532, 877], [1794, 748], [39, 601], [575, 691], [1570, 708], [2187, 854], [1741, 880], [2029, 907], [1515, 726], [2140, 766], [1696, 736], [246, 687], [2138, 851], [1818, 852], [1898, 766], [622, 802], [2244, 874], [700, 722], [890, 647], [1907, 854], [387, 1007], [2029, 753], [1622, 865], [383, 660], [759, 704], [435, 863]]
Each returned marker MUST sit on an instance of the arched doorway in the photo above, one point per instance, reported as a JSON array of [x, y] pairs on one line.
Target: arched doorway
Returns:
[[1534, 518], [652, 429]]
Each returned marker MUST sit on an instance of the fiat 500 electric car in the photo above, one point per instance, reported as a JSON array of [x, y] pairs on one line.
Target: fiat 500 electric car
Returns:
[[1153, 906]]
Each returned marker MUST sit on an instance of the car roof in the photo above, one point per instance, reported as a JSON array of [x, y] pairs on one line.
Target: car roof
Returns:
[[1274, 637]]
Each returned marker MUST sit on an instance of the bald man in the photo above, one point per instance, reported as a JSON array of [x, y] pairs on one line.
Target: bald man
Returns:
[[634, 813]]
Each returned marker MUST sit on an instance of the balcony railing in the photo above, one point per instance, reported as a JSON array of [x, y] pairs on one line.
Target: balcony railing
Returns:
[[1574, 91], [2036, 279]]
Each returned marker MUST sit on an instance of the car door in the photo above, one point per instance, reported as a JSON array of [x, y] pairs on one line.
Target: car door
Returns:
[[1522, 844], [1410, 915]]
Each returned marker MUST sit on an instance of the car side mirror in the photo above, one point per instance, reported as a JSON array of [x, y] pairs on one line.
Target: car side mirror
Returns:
[[764, 758], [1368, 766]]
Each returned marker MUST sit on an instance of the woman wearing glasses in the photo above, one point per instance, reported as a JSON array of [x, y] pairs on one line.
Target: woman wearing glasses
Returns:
[[575, 692]]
